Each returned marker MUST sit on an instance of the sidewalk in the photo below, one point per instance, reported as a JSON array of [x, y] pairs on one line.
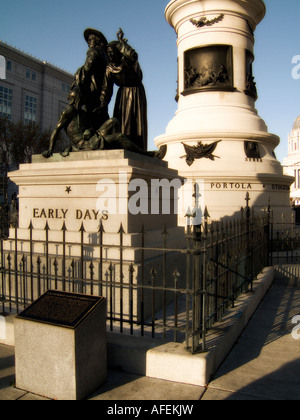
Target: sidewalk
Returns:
[[263, 365], [265, 362]]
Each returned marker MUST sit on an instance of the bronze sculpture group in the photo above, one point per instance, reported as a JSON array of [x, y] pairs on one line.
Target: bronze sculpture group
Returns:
[[86, 119]]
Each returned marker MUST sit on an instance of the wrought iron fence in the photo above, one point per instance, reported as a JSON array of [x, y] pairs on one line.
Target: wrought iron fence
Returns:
[[285, 241], [152, 287]]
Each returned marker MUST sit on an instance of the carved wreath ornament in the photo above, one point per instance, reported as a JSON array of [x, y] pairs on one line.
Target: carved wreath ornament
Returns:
[[205, 22]]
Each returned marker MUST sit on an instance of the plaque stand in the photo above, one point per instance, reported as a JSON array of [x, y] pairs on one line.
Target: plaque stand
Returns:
[[60, 346]]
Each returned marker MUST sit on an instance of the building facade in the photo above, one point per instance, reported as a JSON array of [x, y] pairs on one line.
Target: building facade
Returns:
[[291, 163], [31, 90]]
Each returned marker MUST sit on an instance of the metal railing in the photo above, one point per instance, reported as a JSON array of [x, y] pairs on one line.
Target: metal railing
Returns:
[[176, 293]]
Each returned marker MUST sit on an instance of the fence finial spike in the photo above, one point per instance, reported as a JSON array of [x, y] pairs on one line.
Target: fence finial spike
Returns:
[[206, 214], [248, 199], [165, 231], [101, 227], [153, 272], [82, 228], [121, 230]]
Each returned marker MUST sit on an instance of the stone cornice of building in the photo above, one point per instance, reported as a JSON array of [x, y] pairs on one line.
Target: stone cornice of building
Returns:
[[290, 162], [26, 59], [291, 166]]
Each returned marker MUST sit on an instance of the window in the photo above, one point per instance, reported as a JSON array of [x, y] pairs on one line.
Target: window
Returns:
[[6, 97], [30, 75], [8, 65], [2, 67], [30, 109], [65, 88]]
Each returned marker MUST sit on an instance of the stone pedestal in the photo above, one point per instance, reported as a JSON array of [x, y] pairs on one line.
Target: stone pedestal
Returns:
[[60, 346], [216, 107], [113, 186], [86, 218]]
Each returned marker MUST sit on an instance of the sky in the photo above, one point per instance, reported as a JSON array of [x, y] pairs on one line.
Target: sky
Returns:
[[52, 30]]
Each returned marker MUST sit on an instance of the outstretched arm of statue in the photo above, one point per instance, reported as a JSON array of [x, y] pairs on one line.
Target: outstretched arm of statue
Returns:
[[120, 36], [126, 50]]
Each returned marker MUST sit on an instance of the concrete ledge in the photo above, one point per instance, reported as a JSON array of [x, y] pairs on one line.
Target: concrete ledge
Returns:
[[173, 362], [129, 353]]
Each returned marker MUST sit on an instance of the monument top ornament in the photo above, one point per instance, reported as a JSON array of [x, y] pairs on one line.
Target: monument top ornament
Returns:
[[86, 120]]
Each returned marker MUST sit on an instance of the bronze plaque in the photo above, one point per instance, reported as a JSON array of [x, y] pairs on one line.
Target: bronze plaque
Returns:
[[250, 80], [208, 68], [61, 308]]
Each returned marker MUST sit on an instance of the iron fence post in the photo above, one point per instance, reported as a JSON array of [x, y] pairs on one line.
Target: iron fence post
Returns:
[[110, 270], [249, 243], [47, 228], [63, 269], [196, 290], [9, 281], [16, 269], [189, 286], [270, 233], [121, 233], [81, 262], [142, 279], [153, 274], [131, 274], [164, 282], [3, 289], [31, 258], [204, 280], [176, 276], [101, 233]]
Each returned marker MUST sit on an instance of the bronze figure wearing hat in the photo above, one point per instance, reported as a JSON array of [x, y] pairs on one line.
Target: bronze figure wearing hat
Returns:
[[96, 33], [86, 120]]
